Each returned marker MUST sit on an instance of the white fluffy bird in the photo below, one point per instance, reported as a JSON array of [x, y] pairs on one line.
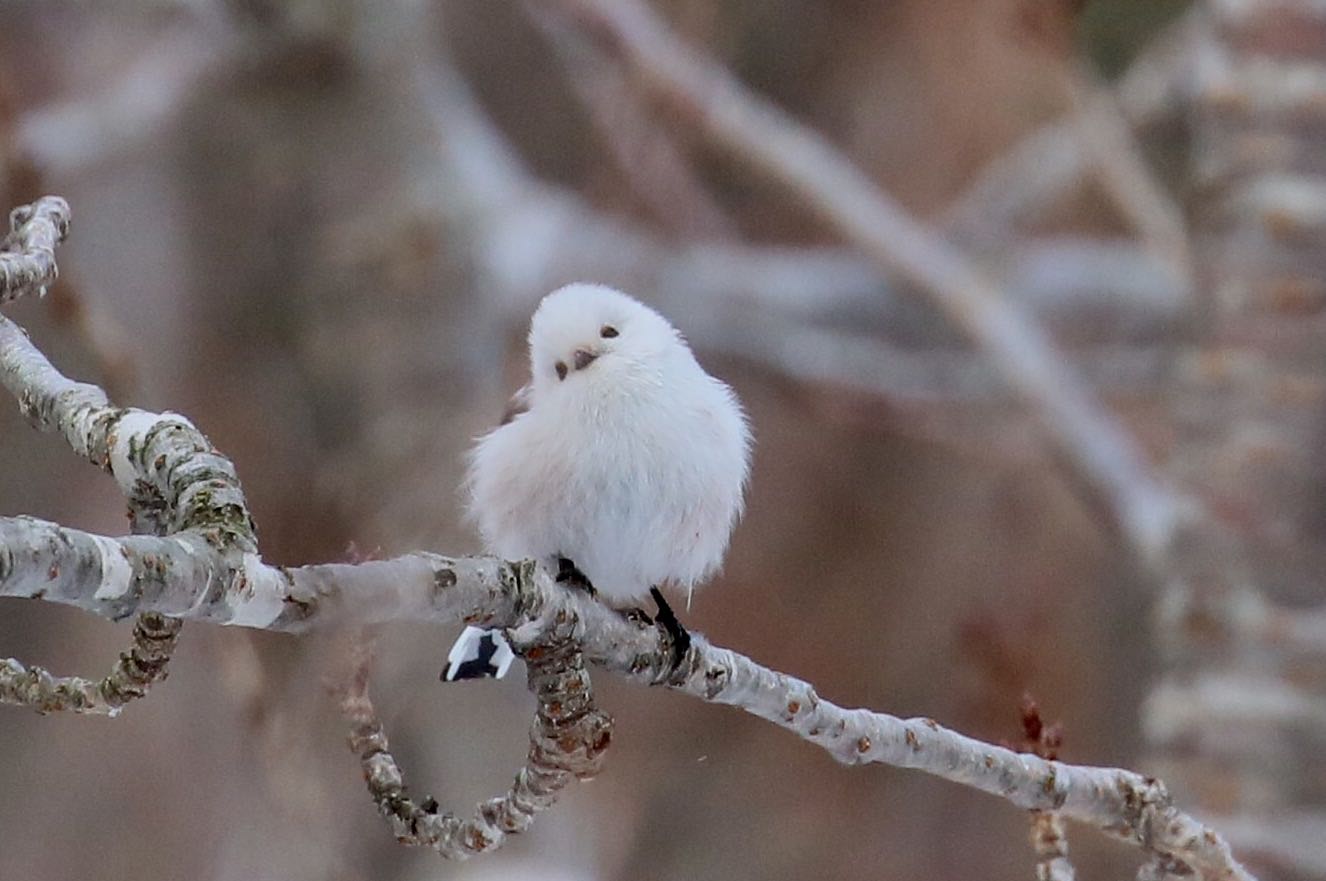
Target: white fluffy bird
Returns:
[[621, 463]]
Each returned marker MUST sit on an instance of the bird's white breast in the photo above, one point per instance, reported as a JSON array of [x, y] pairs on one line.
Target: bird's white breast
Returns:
[[638, 482]]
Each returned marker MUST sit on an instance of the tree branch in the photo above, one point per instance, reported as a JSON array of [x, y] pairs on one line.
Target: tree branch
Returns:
[[27, 254], [1050, 843], [133, 675]]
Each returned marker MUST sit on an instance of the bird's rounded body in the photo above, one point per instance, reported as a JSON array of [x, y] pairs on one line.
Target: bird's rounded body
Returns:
[[632, 465]]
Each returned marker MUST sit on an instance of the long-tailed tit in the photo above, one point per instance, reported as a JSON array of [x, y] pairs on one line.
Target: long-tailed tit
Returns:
[[621, 465]]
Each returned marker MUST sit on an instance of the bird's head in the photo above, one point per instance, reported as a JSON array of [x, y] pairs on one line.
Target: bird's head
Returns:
[[585, 329]]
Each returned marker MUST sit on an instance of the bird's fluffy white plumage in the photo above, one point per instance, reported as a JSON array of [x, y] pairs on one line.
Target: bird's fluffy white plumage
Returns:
[[630, 460]]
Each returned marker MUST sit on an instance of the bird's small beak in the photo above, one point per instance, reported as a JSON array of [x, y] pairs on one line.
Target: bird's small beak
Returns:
[[582, 358]]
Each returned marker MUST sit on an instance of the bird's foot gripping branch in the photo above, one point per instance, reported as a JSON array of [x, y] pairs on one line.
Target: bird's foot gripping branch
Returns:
[[196, 557]]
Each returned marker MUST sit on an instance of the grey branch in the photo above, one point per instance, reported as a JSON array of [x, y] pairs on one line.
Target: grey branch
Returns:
[[27, 254], [561, 238], [832, 315]]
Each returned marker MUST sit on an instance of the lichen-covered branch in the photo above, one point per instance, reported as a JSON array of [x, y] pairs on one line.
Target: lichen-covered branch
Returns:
[[1121, 803], [1103, 456], [567, 742], [27, 253], [136, 671], [433, 588], [172, 478]]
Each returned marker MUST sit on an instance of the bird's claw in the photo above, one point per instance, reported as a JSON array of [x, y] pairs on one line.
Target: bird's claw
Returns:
[[679, 638], [569, 574]]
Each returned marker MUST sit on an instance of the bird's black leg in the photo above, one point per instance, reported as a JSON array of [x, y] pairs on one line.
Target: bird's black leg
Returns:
[[568, 574], [679, 636]]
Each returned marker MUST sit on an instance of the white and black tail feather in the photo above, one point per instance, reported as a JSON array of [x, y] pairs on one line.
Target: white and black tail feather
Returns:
[[478, 654]]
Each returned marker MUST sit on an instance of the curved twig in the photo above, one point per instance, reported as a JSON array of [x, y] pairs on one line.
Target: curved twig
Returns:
[[134, 674], [567, 742]]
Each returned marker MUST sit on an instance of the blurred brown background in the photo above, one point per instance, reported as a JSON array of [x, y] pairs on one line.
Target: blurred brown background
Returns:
[[318, 229]]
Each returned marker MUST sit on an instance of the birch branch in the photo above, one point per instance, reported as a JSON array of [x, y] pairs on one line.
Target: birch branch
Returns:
[[174, 479], [1103, 456], [48, 398], [179, 486]]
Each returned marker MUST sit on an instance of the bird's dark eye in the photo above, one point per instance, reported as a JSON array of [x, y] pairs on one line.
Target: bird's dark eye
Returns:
[[607, 331], [560, 367]]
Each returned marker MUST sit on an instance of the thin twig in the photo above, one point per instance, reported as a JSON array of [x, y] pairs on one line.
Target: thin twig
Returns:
[[1049, 838], [134, 674], [1104, 137], [567, 743], [645, 152]]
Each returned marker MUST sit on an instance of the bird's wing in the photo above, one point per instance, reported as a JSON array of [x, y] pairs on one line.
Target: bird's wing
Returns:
[[518, 404]]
